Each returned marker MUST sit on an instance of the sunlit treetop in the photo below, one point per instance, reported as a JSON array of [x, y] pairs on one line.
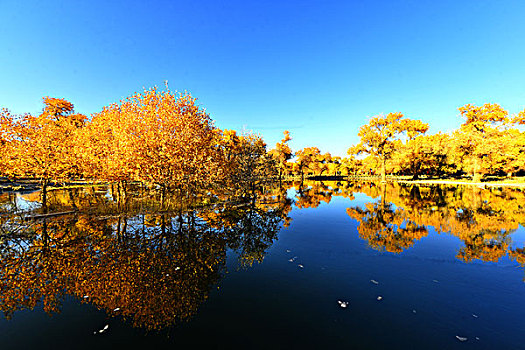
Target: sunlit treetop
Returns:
[[56, 107], [42, 146], [519, 118], [378, 135], [481, 116]]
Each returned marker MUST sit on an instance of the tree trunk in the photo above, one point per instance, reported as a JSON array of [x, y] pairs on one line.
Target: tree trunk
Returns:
[[72, 198], [415, 194], [415, 172], [113, 193], [44, 196], [123, 194], [476, 176], [383, 170], [118, 195], [162, 197], [124, 227], [383, 196], [119, 236], [45, 235]]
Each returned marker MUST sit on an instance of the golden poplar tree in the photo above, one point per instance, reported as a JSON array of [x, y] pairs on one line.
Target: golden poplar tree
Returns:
[[43, 147], [159, 138], [282, 153], [380, 137], [478, 141]]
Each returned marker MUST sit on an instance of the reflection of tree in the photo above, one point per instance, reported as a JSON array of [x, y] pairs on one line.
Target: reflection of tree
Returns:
[[251, 232], [251, 227], [483, 219], [518, 254], [310, 194], [155, 275], [486, 245], [155, 269], [384, 227]]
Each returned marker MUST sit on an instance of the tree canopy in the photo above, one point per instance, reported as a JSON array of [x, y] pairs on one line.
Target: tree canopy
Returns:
[[165, 140], [381, 136]]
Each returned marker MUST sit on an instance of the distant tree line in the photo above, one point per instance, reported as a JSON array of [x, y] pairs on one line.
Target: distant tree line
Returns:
[[489, 142], [164, 140]]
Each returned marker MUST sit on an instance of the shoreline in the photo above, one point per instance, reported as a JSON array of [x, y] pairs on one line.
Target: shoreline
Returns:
[[34, 185], [456, 182]]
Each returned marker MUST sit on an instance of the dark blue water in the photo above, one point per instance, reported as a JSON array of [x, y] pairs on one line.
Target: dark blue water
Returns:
[[428, 297]]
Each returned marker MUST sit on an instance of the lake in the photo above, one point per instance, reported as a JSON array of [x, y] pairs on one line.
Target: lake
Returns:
[[306, 265]]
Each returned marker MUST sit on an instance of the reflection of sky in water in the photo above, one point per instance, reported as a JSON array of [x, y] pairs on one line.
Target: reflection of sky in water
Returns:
[[24, 204], [428, 295], [518, 237]]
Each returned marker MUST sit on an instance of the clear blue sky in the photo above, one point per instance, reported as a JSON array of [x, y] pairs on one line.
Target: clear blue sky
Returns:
[[316, 68]]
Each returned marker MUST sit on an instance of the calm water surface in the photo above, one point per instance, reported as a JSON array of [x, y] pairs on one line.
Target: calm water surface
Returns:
[[431, 267]]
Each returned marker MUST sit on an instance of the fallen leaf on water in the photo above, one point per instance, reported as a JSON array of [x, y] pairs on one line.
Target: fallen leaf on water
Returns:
[[343, 304]]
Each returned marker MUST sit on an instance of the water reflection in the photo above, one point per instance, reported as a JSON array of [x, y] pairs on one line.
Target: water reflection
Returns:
[[153, 258], [483, 219], [386, 228], [399, 215], [154, 268]]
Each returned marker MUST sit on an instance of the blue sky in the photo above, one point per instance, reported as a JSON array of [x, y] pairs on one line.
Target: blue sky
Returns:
[[316, 68]]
